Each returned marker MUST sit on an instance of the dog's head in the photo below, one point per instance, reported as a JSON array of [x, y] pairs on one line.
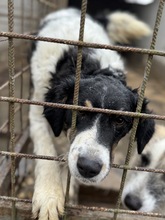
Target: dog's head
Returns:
[[96, 134], [145, 191]]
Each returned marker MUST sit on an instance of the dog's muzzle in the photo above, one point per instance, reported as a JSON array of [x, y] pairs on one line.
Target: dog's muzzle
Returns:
[[88, 160]]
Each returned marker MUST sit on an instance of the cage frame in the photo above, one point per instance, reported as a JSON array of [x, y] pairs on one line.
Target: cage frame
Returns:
[[11, 204]]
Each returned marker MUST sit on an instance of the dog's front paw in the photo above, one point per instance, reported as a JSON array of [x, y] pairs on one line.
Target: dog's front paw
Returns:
[[47, 206]]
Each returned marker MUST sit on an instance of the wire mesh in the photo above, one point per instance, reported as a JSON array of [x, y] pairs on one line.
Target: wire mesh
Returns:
[[8, 126]]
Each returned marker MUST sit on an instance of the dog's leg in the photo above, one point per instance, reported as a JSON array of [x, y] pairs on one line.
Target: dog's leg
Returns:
[[48, 198], [74, 186]]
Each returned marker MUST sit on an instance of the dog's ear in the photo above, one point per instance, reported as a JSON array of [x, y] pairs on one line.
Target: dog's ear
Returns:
[[60, 92], [145, 129], [55, 117]]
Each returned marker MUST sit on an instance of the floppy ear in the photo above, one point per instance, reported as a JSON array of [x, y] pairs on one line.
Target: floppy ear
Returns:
[[60, 92], [55, 117], [145, 129]]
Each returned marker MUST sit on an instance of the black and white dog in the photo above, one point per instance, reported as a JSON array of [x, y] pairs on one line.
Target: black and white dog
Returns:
[[102, 85], [145, 191]]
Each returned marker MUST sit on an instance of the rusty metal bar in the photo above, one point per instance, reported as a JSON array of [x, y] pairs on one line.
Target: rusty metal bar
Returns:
[[84, 44], [21, 106], [82, 108], [77, 84], [92, 208], [62, 159], [79, 63], [121, 211], [21, 76], [11, 94], [15, 199], [31, 156]]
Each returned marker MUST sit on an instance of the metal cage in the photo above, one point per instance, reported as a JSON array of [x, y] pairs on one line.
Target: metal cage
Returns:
[[18, 23]]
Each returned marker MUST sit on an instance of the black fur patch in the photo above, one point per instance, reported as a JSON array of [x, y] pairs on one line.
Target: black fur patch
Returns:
[[104, 88]]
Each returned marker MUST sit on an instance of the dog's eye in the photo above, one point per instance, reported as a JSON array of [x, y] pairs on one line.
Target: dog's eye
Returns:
[[119, 121], [145, 160]]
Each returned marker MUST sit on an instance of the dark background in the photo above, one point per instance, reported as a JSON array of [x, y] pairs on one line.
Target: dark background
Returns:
[[95, 6]]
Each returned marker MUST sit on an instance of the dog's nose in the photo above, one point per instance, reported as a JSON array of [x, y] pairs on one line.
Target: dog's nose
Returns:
[[88, 168], [133, 202]]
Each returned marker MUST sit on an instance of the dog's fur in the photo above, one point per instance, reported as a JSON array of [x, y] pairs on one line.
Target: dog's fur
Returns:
[[146, 191], [102, 85]]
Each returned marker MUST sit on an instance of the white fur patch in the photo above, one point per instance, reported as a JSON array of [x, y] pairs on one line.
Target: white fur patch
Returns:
[[85, 144], [141, 2], [137, 186], [46, 56], [124, 27]]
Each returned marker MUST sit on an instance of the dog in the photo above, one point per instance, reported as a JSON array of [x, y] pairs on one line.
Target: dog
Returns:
[[102, 85], [145, 191]]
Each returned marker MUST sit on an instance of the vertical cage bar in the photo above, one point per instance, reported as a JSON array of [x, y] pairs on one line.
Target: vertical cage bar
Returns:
[[21, 76], [140, 100], [79, 62], [21, 80], [31, 18], [11, 68], [77, 81]]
